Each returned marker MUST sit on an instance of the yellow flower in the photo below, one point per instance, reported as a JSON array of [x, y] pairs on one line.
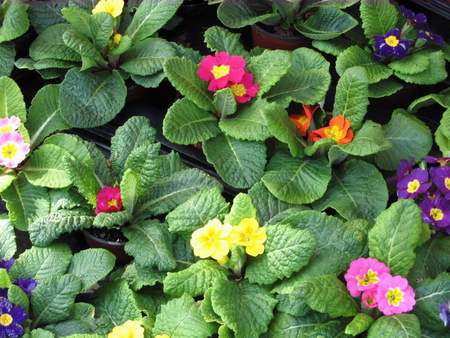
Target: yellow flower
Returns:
[[113, 7], [130, 329], [211, 240], [250, 235]]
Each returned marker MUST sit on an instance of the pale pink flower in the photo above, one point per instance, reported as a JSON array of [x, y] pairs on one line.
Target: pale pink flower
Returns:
[[369, 298], [13, 149], [9, 124], [394, 295], [245, 89], [221, 69], [364, 274]]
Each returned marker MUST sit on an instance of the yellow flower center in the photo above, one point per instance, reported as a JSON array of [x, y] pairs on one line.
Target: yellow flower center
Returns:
[[437, 214], [394, 296], [220, 71], [370, 301], [447, 183], [369, 278], [302, 119], [392, 41], [238, 89], [6, 319], [9, 150], [5, 129], [413, 186], [112, 202], [334, 133]]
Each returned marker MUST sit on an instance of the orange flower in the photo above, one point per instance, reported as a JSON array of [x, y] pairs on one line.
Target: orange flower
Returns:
[[338, 130], [303, 120]]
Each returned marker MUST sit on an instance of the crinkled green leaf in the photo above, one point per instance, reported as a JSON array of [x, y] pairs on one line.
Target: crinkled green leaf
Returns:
[[224, 102], [11, 99], [435, 73], [186, 123], [112, 219], [18, 297], [395, 235], [83, 177], [385, 87], [6, 178], [47, 14], [402, 325], [410, 64], [239, 163], [378, 17], [81, 44], [286, 251], [138, 277], [14, 20], [8, 246], [79, 18], [7, 56], [220, 39], [442, 134], [297, 180], [360, 323], [239, 13], [241, 208], [101, 24], [333, 46]]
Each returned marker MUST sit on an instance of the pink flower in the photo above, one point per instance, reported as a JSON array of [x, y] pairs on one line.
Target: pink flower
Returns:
[[369, 298], [221, 69], [246, 89], [364, 274], [394, 295], [108, 200], [13, 149], [9, 124]]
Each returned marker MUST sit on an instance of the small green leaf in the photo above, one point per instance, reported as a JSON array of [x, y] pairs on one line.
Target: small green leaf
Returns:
[[442, 134], [18, 297], [101, 24], [11, 99], [410, 64], [8, 246], [7, 56], [359, 324], [435, 73], [402, 325], [242, 208], [81, 44], [224, 102]]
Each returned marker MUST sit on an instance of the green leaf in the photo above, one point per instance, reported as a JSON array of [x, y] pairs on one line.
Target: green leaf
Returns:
[[385, 87], [245, 308], [286, 251], [8, 246], [378, 17], [410, 138], [7, 56], [358, 190], [18, 297], [442, 134], [5, 281], [239, 163], [49, 13], [112, 219], [282, 128], [78, 18], [151, 245], [138, 277], [53, 298], [91, 265], [224, 102], [81, 44], [351, 98], [219, 39], [91, 99], [395, 235], [182, 74], [83, 177], [150, 17], [25, 202], [194, 280], [435, 73], [242, 208], [192, 214], [14, 20], [11, 99], [101, 25], [44, 116], [168, 193], [49, 227], [333, 46], [326, 294], [296, 180], [402, 325], [359, 324], [186, 123], [410, 64], [181, 317], [235, 14]]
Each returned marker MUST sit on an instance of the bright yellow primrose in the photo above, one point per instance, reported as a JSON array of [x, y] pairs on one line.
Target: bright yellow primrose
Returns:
[[130, 329], [249, 235], [211, 240], [113, 7]]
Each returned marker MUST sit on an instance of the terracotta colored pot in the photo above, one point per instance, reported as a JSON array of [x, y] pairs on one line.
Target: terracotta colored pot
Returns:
[[116, 248], [265, 39]]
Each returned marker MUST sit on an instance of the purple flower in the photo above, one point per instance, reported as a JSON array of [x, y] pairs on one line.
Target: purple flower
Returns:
[[403, 169], [413, 184], [6, 264], [436, 211], [441, 178], [434, 160], [428, 36], [3, 293], [445, 313], [10, 318], [391, 44], [413, 19], [27, 284]]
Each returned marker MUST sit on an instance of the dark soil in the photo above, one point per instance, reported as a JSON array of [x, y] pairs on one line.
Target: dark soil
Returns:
[[108, 234]]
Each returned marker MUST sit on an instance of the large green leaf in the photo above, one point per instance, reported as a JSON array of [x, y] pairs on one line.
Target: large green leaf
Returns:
[[435, 73], [8, 246], [239, 163], [442, 134], [181, 317], [402, 325], [150, 16], [14, 20], [358, 190], [7, 56], [138, 277], [53, 298], [395, 235], [286, 251], [245, 308], [187, 123], [91, 99], [240, 13], [11, 99], [151, 245], [378, 17], [192, 214], [220, 39], [297, 180]]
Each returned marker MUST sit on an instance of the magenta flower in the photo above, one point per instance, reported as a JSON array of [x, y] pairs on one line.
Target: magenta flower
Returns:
[[221, 69], [109, 200], [13, 149], [436, 211], [369, 298], [391, 44], [364, 274], [394, 295], [10, 318], [9, 124], [441, 178], [245, 89], [413, 184]]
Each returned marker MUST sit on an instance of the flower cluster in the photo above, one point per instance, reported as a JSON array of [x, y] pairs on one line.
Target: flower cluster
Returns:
[[109, 200], [216, 239], [430, 187], [391, 46], [227, 71], [13, 148], [338, 128], [371, 279]]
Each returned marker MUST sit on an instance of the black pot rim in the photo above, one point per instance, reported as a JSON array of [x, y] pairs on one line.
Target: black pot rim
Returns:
[[99, 240], [260, 27]]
